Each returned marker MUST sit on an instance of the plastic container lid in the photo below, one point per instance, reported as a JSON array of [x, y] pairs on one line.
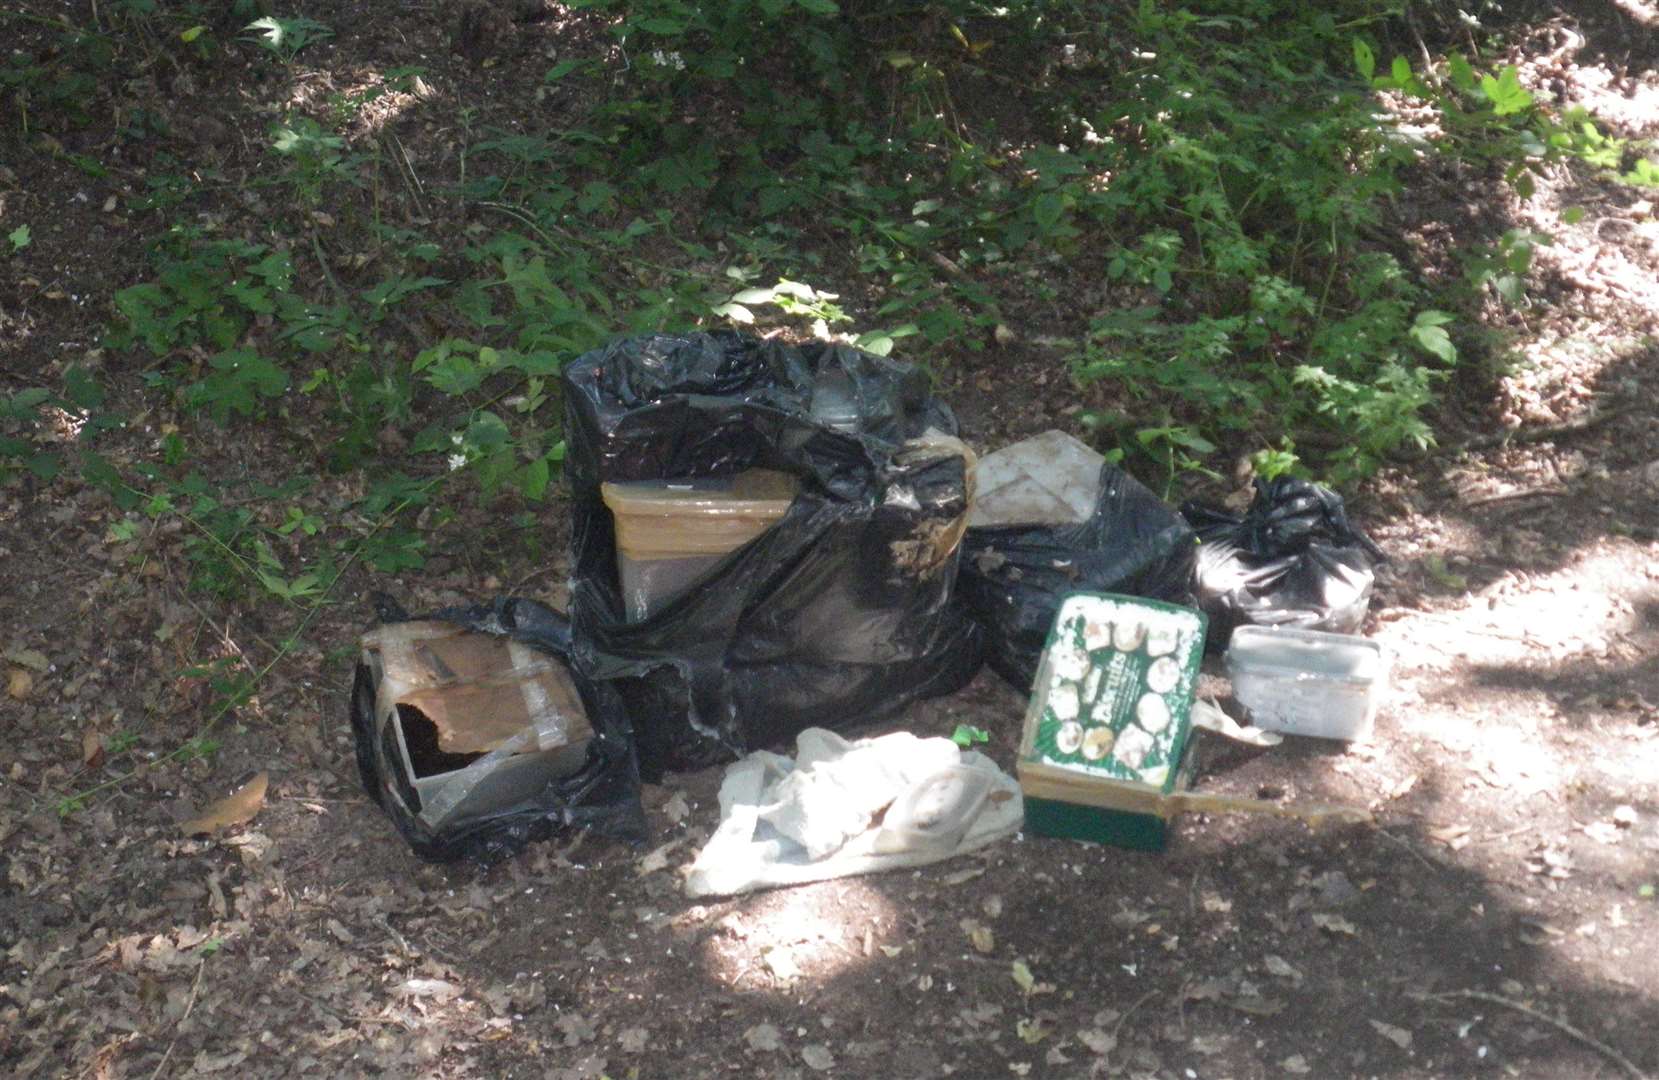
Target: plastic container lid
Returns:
[[710, 516], [1285, 652], [1048, 479]]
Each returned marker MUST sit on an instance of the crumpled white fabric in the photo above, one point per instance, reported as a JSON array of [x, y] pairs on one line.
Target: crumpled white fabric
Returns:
[[841, 808]]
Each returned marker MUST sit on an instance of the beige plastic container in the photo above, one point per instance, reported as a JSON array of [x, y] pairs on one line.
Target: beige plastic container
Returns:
[[670, 533]]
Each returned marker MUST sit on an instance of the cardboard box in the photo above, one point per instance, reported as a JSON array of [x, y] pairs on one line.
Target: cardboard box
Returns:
[[1104, 748]]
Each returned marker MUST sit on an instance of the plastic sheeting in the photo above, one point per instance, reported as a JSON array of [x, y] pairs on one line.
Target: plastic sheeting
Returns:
[[1014, 577], [1291, 559], [837, 615]]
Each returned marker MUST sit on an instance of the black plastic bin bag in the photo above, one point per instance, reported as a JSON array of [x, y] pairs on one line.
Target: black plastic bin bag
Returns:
[[477, 736], [1291, 559], [840, 612], [1014, 577]]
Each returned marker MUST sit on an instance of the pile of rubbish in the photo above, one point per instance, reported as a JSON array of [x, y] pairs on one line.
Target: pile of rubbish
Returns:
[[776, 543]]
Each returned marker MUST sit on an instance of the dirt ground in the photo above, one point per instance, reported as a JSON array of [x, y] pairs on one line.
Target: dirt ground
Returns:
[[1490, 922]]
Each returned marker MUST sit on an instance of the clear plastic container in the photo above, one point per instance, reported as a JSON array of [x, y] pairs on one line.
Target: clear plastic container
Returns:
[[670, 533], [1307, 682], [1048, 479]]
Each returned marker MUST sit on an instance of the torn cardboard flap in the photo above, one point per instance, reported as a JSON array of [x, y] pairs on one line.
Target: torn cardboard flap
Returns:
[[477, 691], [477, 722]]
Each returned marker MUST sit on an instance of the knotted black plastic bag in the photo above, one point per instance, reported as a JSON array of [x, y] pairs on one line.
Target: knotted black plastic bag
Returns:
[[599, 790], [1014, 577], [1292, 559], [837, 615]]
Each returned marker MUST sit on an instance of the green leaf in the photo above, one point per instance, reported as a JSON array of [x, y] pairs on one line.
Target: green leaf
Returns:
[[1505, 92], [1427, 331], [1364, 59], [819, 7], [563, 68], [20, 237], [187, 36], [1463, 76], [1572, 215], [1400, 70], [1047, 209], [966, 735], [876, 342], [533, 482], [1645, 173], [735, 312], [240, 377]]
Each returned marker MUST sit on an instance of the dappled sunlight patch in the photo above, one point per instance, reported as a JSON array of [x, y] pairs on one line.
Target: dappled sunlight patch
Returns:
[[808, 934]]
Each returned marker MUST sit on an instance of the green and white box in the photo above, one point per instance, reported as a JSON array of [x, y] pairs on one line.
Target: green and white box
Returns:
[[1106, 734]]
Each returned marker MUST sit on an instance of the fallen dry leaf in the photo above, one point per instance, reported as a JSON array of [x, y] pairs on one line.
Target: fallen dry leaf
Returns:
[[633, 1040], [1534, 932], [1455, 837], [29, 658], [980, 935], [1296, 1064], [20, 684], [676, 808], [1603, 832], [1254, 1005], [763, 1037], [1550, 861], [92, 748], [1098, 1041], [1335, 924], [657, 858], [1397, 1035], [234, 809], [818, 1057], [1278, 965], [1031, 1030], [781, 961]]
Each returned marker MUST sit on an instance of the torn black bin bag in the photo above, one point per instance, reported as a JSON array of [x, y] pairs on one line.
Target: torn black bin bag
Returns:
[[596, 783], [1292, 559], [1014, 577], [835, 616]]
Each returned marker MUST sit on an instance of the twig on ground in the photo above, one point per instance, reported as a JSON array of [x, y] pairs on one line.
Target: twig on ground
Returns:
[[1577, 426], [1142, 1000], [189, 1005], [1410, 848], [1560, 1025], [1512, 496]]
